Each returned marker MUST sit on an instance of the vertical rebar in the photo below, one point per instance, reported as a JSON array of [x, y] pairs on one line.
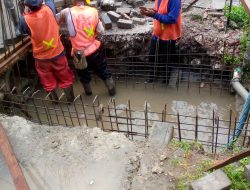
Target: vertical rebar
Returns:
[[146, 119], [93, 106], [196, 126], [110, 116], [130, 119], [117, 123], [84, 111], [213, 132], [217, 133], [179, 125], [229, 126]]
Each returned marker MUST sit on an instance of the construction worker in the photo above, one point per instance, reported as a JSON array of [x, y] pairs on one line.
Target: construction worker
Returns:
[[167, 29], [83, 25], [51, 64]]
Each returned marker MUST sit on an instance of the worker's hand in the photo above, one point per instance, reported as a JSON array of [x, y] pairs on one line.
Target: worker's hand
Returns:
[[147, 12]]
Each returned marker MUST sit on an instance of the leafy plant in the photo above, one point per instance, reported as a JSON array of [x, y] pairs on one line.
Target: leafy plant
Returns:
[[236, 174], [238, 15]]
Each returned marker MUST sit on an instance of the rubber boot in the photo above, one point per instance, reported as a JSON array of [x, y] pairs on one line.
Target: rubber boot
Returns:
[[69, 93], [53, 96], [110, 86], [87, 89]]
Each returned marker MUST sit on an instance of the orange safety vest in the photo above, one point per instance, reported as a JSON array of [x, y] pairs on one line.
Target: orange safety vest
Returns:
[[85, 20], [46, 42], [166, 31]]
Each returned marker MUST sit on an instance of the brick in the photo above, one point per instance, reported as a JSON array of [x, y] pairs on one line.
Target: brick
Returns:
[[125, 24], [139, 21], [125, 16], [247, 172], [114, 16], [107, 5], [93, 4], [123, 10], [106, 21], [118, 4], [217, 180]]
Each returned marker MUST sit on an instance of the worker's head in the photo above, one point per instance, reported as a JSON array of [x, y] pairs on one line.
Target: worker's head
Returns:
[[86, 2], [34, 5]]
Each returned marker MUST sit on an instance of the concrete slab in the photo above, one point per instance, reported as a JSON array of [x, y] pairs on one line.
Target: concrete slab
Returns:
[[106, 21], [218, 4], [247, 172], [217, 180], [114, 16], [125, 24], [161, 134]]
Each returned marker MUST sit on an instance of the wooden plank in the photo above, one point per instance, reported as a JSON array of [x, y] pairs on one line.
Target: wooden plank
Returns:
[[230, 160], [246, 4], [10, 158], [15, 56]]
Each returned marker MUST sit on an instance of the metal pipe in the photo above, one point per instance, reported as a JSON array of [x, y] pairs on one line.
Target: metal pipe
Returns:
[[239, 89]]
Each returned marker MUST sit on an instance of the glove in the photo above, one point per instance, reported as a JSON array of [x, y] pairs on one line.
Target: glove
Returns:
[[79, 60]]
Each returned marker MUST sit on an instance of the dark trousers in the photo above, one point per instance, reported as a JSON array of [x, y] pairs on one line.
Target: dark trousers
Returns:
[[98, 65], [161, 59]]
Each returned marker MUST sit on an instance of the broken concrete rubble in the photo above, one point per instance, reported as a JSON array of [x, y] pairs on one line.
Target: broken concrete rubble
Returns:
[[125, 24]]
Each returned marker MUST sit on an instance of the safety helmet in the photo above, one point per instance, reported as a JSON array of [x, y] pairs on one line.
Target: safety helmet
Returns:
[[33, 3]]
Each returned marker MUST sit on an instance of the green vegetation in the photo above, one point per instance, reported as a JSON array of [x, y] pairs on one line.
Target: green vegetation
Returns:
[[237, 15], [187, 146], [236, 174], [175, 162]]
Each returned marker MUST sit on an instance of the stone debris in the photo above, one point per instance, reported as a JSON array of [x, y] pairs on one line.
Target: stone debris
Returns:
[[107, 5], [114, 16], [123, 10], [163, 157], [157, 169], [217, 180], [107, 23], [140, 21], [247, 172], [125, 24]]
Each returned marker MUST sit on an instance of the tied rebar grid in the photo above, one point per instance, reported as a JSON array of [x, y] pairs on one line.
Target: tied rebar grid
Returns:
[[212, 132], [188, 70]]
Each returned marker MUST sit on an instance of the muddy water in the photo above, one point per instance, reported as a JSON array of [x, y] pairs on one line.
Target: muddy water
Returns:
[[187, 102]]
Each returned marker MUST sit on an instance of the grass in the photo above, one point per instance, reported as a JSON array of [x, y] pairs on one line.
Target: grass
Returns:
[[183, 182], [186, 146], [236, 175]]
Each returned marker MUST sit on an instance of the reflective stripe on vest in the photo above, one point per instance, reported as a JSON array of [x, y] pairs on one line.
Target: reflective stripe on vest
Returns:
[[46, 43], [166, 31], [85, 20]]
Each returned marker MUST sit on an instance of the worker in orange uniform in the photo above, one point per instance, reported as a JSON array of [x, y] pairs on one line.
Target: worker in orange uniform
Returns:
[[51, 64], [83, 25], [167, 29]]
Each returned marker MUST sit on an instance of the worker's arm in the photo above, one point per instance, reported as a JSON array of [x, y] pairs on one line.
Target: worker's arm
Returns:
[[174, 9], [51, 5], [23, 27], [100, 29]]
